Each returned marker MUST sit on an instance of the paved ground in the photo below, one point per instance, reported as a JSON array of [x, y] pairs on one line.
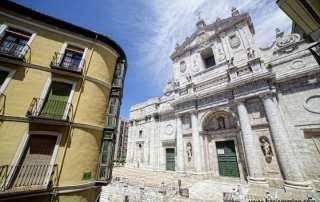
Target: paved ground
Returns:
[[146, 184]]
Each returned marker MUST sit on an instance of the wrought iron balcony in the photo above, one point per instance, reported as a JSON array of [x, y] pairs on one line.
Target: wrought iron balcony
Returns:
[[50, 109], [14, 50], [315, 50], [67, 63], [29, 177]]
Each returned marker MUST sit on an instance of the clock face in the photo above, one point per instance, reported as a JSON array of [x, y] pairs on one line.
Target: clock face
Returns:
[[169, 129]]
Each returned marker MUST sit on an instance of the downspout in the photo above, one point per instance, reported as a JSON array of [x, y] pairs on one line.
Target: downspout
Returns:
[[83, 78]]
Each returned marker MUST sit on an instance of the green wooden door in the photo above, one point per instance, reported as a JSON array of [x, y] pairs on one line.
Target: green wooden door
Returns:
[[170, 159], [227, 159], [56, 101]]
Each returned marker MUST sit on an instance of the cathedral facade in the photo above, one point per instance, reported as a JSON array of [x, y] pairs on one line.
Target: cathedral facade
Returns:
[[234, 109]]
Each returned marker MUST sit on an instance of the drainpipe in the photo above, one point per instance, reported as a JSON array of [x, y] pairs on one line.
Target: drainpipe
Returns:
[[85, 72]]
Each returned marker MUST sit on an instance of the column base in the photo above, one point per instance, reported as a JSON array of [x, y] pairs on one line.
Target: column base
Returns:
[[257, 180], [304, 185]]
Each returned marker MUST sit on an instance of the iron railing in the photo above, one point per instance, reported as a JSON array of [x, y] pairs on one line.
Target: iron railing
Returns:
[[16, 50], [50, 109], [315, 51], [27, 177], [68, 63]]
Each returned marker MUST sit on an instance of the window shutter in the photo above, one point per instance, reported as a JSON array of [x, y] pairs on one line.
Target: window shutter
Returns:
[[62, 51], [81, 65]]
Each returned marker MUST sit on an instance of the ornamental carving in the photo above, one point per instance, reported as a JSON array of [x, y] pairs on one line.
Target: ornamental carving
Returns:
[[287, 40], [195, 66], [234, 41], [169, 129], [297, 64], [266, 148], [183, 67], [312, 104]]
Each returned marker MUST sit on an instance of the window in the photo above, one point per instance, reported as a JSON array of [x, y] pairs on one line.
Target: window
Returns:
[[105, 165], [72, 59], [112, 112], [140, 133], [208, 58], [14, 42], [56, 103]]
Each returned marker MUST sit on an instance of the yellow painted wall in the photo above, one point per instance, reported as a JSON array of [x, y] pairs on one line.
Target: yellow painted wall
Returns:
[[81, 152]]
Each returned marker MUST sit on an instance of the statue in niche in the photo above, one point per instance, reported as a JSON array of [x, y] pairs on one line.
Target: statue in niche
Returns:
[[221, 123], [189, 151], [250, 53], [266, 148]]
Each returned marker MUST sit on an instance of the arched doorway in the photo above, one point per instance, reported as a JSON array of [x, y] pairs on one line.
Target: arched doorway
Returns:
[[223, 135]]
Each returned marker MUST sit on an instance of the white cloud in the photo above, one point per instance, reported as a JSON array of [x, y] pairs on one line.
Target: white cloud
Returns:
[[175, 20]]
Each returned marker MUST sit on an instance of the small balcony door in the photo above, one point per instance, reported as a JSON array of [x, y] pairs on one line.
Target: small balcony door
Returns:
[[34, 167], [55, 105]]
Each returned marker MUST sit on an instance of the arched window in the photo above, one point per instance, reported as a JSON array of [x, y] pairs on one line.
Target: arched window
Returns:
[[221, 123]]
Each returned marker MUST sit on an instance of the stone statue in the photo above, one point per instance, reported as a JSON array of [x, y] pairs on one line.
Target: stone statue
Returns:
[[189, 151], [221, 124], [266, 148], [250, 53]]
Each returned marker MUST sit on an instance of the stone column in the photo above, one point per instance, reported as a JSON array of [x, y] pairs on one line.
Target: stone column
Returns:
[[179, 145], [288, 163], [250, 145], [196, 153]]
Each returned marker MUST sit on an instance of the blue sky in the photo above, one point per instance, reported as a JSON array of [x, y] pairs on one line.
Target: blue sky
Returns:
[[148, 30]]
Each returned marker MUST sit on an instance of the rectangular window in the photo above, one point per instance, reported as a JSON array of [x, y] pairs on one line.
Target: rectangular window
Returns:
[[208, 58], [105, 165], [56, 102], [14, 42], [34, 168], [72, 58], [112, 112]]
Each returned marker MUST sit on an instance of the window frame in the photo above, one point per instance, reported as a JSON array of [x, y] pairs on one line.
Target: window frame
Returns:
[[8, 25], [8, 78], [46, 90], [22, 146], [64, 48]]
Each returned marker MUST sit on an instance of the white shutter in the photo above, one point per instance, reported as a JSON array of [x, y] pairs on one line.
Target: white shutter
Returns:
[[62, 51], [3, 28], [82, 59], [24, 50]]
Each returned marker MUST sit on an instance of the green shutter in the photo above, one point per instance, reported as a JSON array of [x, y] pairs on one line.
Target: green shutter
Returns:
[[56, 102], [3, 76]]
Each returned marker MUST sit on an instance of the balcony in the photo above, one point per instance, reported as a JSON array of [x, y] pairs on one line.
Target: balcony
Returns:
[[17, 51], [26, 178], [315, 51], [67, 62], [50, 110]]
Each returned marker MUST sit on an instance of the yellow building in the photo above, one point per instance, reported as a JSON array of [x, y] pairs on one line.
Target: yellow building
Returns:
[[305, 15], [60, 92]]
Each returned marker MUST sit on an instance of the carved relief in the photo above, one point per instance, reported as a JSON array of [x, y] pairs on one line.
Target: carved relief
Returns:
[[312, 104], [234, 41], [183, 66], [286, 44], [297, 64], [189, 151], [195, 66], [266, 148], [169, 129]]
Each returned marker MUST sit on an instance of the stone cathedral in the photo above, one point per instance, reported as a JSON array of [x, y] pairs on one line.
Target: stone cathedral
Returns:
[[234, 109]]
